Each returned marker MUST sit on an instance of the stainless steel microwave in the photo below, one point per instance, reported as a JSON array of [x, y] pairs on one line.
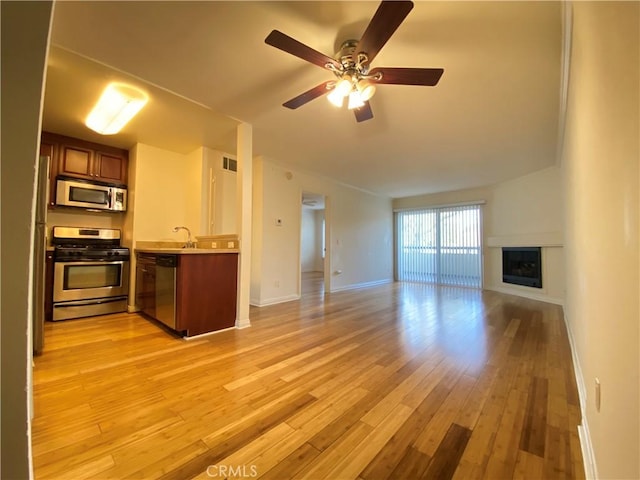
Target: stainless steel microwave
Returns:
[[76, 193]]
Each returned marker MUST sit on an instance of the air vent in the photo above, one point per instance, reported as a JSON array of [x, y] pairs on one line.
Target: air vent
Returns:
[[229, 164]]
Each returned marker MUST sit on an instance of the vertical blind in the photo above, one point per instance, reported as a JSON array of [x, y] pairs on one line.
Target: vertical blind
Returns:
[[440, 245]]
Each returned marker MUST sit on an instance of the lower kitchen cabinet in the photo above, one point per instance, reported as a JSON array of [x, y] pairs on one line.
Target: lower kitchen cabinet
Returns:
[[207, 287], [146, 284], [48, 286], [205, 291]]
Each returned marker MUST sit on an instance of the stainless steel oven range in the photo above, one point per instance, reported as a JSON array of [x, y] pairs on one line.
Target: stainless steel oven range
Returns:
[[91, 272]]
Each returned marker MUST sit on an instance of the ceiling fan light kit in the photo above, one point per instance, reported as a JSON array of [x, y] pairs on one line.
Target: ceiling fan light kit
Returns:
[[351, 65]]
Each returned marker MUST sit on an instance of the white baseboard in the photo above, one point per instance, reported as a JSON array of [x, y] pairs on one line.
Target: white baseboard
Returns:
[[362, 285], [273, 301], [243, 323], [588, 457], [207, 334], [586, 446], [541, 297]]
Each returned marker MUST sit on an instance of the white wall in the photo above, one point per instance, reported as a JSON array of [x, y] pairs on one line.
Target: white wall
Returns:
[[526, 211], [25, 35], [311, 259], [219, 190], [601, 186], [319, 235], [308, 243], [166, 193], [359, 227]]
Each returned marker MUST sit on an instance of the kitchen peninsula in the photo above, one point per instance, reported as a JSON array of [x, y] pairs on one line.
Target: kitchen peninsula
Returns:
[[193, 291]]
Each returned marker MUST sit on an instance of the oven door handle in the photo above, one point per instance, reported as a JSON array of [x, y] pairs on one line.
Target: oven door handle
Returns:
[[95, 301], [91, 262]]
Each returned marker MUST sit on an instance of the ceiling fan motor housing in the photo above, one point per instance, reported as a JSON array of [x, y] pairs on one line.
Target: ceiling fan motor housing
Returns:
[[345, 56]]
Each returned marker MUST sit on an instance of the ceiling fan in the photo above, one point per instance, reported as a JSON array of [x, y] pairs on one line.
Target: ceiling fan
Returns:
[[355, 80]]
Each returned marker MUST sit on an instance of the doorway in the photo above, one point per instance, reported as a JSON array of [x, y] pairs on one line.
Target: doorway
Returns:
[[312, 244]]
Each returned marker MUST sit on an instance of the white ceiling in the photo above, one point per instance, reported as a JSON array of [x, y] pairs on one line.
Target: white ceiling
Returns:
[[493, 116]]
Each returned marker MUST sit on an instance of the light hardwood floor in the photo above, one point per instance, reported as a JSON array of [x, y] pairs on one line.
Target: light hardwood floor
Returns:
[[312, 283], [400, 381]]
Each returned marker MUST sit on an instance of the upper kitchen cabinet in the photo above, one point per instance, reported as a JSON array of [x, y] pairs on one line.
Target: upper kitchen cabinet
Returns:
[[72, 157], [91, 161], [91, 164]]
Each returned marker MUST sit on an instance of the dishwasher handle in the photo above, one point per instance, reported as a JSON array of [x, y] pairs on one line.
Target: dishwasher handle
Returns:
[[170, 261]]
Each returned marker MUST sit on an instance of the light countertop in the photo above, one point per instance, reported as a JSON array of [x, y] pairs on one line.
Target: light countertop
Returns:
[[185, 251]]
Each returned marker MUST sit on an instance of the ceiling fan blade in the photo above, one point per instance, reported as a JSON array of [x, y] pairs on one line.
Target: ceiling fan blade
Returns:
[[385, 21], [309, 95], [294, 47], [409, 76], [363, 113]]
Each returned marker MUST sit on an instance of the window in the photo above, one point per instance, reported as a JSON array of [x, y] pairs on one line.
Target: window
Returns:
[[440, 245]]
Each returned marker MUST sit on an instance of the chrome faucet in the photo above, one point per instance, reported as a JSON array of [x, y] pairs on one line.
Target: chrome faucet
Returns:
[[189, 243]]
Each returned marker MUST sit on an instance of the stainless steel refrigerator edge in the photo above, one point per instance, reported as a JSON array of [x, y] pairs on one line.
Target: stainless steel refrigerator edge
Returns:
[[40, 248]]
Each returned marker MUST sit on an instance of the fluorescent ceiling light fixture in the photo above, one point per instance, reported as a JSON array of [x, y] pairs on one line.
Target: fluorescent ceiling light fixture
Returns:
[[118, 104]]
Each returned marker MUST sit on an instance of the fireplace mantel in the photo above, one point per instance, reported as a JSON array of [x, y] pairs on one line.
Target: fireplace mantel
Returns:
[[549, 239]]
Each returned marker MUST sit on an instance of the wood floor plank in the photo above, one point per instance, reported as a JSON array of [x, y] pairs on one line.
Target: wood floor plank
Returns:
[[528, 466], [468, 415], [503, 457], [359, 457], [534, 431], [336, 452], [438, 427], [392, 455], [171, 461], [413, 464], [291, 465], [394, 381], [446, 457]]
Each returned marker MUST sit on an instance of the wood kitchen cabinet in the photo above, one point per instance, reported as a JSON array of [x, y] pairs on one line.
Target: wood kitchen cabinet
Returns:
[[79, 161], [72, 157], [146, 284], [205, 290], [48, 285]]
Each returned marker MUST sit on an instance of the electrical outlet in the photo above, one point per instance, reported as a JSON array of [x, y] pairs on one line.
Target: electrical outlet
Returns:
[[597, 394]]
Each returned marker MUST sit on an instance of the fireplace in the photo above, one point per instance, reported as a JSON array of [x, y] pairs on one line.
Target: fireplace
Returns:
[[522, 266]]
